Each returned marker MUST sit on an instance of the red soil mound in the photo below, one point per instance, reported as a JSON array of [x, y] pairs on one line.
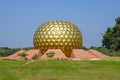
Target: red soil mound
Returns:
[[76, 54], [30, 53], [87, 54], [98, 54], [81, 54], [13, 56]]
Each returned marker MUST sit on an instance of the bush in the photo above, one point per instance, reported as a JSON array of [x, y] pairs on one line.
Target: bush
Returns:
[[50, 54], [35, 56], [24, 55]]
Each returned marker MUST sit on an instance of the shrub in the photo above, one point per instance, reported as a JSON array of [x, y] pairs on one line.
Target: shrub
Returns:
[[24, 55], [50, 54]]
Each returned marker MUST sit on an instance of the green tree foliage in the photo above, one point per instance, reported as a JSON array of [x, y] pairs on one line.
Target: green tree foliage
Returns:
[[106, 51], [50, 54], [5, 51], [85, 48], [111, 38], [27, 48], [24, 55]]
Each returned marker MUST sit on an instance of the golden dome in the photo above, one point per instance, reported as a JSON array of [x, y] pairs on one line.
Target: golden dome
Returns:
[[58, 34]]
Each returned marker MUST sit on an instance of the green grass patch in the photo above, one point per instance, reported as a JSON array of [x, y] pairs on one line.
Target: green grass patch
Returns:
[[60, 70]]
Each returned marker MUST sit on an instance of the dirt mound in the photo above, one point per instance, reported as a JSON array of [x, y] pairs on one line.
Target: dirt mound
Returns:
[[58, 54], [14, 55], [98, 54], [30, 53], [81, 54], [87, 54], [76, 54]]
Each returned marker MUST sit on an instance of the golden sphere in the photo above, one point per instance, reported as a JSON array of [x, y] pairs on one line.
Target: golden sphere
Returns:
[[57, 34]]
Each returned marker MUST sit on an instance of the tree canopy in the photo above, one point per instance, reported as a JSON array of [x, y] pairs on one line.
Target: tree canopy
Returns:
[[111, 38], [5, 51]]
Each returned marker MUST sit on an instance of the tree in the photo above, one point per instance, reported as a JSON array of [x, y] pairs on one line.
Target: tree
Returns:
[[24, 55], [5, 51], [50, 54], [111, 38]]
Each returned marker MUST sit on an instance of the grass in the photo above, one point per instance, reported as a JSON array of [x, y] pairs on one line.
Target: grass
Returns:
[[60, 70]]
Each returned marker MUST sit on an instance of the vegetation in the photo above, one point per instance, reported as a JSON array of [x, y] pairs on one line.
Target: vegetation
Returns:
[[60, 70], [50, 54], [66, 69], [110, 43], [36, 56], [111, 38], [24, 55], [5, 51], [27, 48], [106, 51]]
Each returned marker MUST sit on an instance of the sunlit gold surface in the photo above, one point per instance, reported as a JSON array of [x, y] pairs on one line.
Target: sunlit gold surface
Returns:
[[58, 35]]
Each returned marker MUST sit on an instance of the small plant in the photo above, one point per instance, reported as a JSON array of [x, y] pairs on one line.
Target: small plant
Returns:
[[35, 56], [24, 55], [50, 54]]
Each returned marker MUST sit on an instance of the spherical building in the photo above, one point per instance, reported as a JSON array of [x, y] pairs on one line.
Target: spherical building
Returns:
[[58, 34]]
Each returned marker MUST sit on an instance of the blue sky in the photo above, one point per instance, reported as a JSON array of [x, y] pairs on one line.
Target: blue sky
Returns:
[[20, 18]]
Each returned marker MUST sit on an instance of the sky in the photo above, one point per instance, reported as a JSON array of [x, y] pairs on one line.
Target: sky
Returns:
[[20, 18]]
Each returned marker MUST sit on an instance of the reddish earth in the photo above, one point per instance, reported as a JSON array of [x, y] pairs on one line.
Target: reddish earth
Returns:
[[81, 54], [87, 54], [97, 54], [76, 54], [30, 53], [13, 56]]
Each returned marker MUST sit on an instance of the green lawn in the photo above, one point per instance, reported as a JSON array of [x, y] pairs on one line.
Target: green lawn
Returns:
[[60, 70]]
